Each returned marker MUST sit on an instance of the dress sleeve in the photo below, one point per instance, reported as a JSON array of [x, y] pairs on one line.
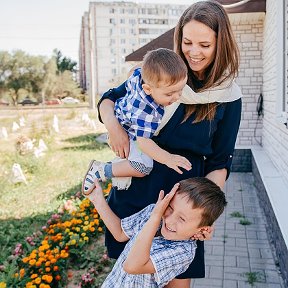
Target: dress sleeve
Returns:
[[112, 94], [224, 139]]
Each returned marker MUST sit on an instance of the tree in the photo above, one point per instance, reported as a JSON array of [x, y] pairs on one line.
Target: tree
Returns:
[[20, 71], [64, 63], [66, 86]]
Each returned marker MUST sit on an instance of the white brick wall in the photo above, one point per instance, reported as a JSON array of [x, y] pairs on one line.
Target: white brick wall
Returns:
[[275, 134], [248, 31]]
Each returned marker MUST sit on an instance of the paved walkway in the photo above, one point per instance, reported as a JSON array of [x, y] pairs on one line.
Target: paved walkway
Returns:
[[240, 253]]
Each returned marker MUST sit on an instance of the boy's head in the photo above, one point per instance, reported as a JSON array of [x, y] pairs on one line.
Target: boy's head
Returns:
[[164, 74], [196, 205]]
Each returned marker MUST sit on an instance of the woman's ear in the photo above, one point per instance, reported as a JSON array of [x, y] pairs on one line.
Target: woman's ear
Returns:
[[147, 89]]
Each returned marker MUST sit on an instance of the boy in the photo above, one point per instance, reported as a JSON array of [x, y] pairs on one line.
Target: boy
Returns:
[[161, 244]]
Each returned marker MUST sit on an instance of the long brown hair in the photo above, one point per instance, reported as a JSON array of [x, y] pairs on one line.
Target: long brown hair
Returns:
[[226, 63]]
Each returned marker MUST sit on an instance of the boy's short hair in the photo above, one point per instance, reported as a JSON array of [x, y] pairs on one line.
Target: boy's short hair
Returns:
[[204, 194], [163, 65]]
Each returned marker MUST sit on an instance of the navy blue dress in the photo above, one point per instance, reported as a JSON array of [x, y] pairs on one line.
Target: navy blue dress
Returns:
[[208, 145]]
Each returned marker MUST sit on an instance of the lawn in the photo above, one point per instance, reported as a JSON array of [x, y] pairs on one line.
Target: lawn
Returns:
[[51, 178]]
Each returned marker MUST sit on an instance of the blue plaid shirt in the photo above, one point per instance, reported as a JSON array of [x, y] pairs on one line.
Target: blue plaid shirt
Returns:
[[170, 258], [137, 112]]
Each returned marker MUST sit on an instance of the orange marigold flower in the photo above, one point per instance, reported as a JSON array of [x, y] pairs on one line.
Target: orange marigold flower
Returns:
[[58, 277], [47, 269], [55, 268], [32, 255], [33, 276], [100, 229], [41, 254], [25, 259], [47, 278], [37, 280], [22, 272], [38, 263], [32, 262], [47, 263]]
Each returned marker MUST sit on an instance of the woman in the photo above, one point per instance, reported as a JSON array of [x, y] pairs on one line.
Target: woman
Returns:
[[204, 134]]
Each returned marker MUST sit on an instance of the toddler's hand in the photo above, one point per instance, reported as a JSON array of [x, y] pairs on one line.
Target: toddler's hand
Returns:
[[176, 161]]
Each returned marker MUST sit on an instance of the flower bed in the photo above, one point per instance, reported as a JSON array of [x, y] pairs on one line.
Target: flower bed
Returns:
[[42, 259]]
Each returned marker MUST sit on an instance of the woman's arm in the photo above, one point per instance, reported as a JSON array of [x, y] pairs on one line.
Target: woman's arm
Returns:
[[217, 165], [218, 177], [118, 138]]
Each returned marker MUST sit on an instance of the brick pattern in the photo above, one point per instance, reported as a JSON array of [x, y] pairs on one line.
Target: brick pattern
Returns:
[[241, 160], [236, 249], [249, 34]]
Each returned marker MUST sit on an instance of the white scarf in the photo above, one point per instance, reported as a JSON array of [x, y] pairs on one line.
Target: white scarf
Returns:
[[228, 91]]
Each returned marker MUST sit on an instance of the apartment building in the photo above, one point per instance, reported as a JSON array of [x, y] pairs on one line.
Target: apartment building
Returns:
[[112, 30]]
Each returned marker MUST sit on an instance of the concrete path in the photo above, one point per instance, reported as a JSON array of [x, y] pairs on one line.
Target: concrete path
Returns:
[[240, 255]]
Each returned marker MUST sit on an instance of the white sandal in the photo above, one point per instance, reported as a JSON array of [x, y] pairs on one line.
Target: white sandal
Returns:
[[95, 170]]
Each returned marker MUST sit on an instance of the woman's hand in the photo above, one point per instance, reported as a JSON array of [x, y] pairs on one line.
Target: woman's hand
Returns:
[[119, 141], [118, 138], [205, 234]]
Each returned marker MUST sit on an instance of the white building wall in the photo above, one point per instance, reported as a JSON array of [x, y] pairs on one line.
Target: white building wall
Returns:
[[275, 133], [119, 28], [248, 30]]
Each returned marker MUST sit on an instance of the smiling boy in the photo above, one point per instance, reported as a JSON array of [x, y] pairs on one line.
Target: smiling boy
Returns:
[[161, 244]]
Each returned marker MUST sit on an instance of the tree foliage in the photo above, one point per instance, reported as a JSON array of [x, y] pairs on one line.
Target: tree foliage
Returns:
[[24, 75], [64, 63]]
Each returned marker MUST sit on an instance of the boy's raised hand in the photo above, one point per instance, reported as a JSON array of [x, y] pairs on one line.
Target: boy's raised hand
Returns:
[[96, 194], [176, 161], [163, 201]]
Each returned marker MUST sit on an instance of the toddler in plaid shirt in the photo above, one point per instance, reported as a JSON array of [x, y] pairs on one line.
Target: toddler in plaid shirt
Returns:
[[157, 84], [161, 244]]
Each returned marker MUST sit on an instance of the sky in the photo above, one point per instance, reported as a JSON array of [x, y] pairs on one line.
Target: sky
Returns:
[[39, 26]]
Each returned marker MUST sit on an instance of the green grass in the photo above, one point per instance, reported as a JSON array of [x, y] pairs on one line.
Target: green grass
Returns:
[[253, 277], [236, 214], [24, 209], [245, 222]]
